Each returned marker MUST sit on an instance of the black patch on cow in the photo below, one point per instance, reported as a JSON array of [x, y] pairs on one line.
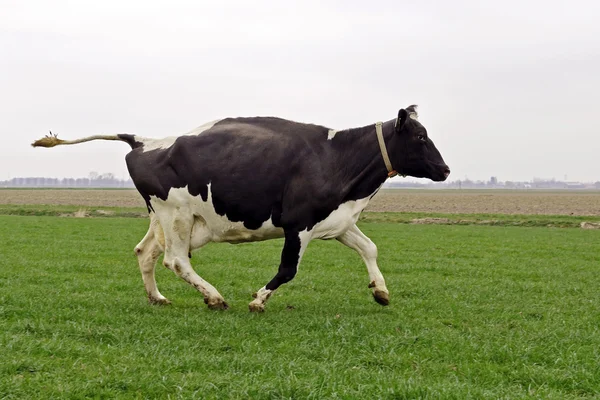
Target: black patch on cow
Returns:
[[130, 139], [261, 168], [290, 256]]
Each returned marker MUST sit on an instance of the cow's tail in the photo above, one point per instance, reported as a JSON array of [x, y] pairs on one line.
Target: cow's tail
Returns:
[[52, 140]]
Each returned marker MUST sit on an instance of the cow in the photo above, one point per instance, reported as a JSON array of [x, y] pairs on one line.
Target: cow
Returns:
[[257, 178]]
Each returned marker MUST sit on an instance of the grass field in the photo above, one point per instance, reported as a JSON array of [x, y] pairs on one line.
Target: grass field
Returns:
[[476, 312]]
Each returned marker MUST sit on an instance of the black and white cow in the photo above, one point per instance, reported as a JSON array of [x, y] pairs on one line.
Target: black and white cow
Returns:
[[249, 179]]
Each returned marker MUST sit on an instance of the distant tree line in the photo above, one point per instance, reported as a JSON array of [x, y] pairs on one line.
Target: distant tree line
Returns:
[[94, 180], [494, 183]]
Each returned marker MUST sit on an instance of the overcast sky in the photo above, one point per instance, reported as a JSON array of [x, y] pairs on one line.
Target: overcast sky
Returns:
[[508, 89]]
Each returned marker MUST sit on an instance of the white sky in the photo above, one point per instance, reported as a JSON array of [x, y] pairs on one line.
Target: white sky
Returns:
[[509, 89]]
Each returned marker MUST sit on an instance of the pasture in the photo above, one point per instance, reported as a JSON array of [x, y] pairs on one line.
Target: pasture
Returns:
[[476, 312]]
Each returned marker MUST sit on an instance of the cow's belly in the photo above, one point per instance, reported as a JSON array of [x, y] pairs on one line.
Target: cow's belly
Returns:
[[211, 227], [208, 225], [220, 229]]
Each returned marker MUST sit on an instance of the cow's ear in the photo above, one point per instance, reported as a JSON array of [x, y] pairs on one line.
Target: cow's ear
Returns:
[[402, 116]]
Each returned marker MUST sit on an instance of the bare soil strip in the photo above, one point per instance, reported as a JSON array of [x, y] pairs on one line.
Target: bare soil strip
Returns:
[[488, 202], [415, 201]]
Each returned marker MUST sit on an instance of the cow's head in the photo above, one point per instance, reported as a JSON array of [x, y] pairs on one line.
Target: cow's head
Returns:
[[414, 153]]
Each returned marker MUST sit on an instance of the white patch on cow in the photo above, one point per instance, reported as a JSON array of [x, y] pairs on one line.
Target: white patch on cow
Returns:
[[208, 225], [340, 220], [164, 143], [331, 134]]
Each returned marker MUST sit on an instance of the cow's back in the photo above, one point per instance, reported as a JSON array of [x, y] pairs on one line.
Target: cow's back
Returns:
[[244, 164]]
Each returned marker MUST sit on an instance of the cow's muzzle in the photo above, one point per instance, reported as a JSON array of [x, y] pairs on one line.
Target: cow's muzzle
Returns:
[[446, 172], [441, 173]]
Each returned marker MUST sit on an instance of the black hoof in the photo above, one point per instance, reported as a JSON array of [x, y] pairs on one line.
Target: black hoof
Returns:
[[381, 297]]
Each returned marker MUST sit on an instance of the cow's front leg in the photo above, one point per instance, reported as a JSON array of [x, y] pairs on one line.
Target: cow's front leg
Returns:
[[364, 246], [293, 248], [177, 233]]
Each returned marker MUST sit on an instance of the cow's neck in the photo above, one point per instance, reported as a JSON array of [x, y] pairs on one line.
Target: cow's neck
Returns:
[[360, 161]]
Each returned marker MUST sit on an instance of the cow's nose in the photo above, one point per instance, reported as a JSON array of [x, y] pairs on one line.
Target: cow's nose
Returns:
[[446, 171]]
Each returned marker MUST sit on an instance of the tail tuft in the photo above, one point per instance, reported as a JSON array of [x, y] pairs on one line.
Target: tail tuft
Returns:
[[50, 140]]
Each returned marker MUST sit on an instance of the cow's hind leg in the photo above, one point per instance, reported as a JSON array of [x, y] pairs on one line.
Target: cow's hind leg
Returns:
[[177, 247], [147, 252], [357, 240], [293, 248]]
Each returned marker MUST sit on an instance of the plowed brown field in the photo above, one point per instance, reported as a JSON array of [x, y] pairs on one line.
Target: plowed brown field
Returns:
[[434, 201]]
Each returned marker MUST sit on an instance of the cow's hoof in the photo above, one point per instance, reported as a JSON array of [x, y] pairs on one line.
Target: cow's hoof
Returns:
[[163, 301], [381, 297], [217, 304], [256, 307]]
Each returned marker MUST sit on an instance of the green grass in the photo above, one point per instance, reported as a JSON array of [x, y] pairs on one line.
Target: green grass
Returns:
[[476, 312]]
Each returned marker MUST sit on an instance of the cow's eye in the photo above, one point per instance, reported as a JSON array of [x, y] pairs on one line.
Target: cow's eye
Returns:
[[422, 138]]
